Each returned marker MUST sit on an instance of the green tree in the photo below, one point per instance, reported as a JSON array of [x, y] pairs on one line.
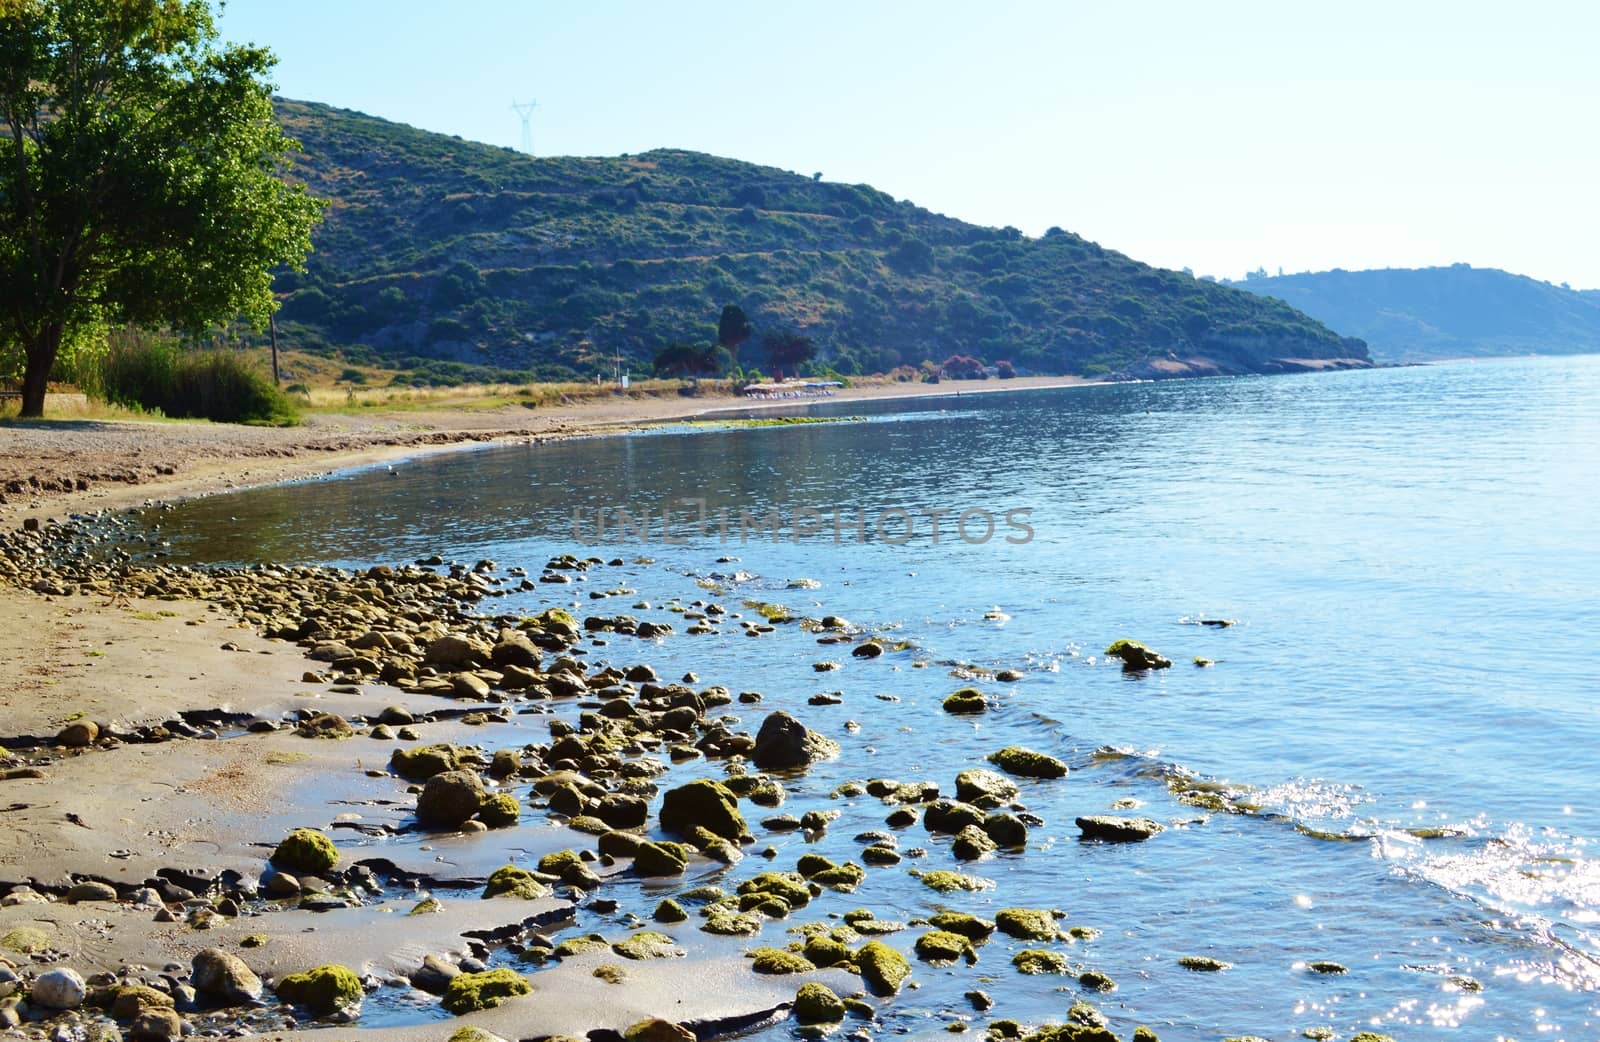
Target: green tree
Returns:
[[690, 360], [733, 329], [139, 163], [788, 350]]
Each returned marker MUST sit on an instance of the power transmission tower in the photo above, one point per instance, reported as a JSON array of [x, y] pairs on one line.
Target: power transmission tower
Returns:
[[526, 112]]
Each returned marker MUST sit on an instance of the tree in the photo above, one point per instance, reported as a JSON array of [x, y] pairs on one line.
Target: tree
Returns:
[[788, 350], [139, 163], [733, 330], [690, 360]]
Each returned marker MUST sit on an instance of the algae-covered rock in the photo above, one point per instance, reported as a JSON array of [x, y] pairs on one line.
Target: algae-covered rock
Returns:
[[972, 843], [647, 944], [223, 978], [844, 878], [511, 881], [705, 803], [1094, 980], [424, 761], [1136, 656], [1203, 964], [474, 991], [967, 701], [1081, 1012], [660, 859], [1007, 830], [1370, 1036], [817, 1004], [1324, 966], [950, 816], [944, 947], [824, 950], [777, 960], [657, 1030], [306, 851], [969, 926], [790, 887], [1144, 1034], [323, 991], [810, 864], [1112, 829], [1039, 961], [1027, 763], [500, 811], [726, 922], [946, 882], [1029, 924], [580, 946], [882, 968], [784, 741], [982, 787], [450, 798], [468, 1033]]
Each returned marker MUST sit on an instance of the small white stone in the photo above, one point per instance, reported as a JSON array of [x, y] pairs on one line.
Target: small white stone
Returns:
[[58, 989]]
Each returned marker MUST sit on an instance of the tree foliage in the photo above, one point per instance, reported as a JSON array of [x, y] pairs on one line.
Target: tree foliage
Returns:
[[788, 350], [733, 329], [139, 175], [690, 360]]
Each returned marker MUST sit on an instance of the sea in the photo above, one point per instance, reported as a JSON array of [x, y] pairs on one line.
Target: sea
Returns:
[[1379, 591]]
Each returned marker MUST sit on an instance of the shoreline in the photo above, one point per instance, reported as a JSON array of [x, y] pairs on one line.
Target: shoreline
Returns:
[[60, 468]]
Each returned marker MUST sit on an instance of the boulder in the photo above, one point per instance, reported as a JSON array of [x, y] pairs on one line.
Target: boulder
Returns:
[[323, 991], [1026, 763], [1113, 829], [950, 816], [784, 741], [223, 978], [424, 761], [78, 734], [305, 851], [883, 969], [514, 649], [704, 803], [450, 798], [91, 891], [457, 652], [58, 989], [1136, 656], [982, 787], [156, 1025], [816, 1003]]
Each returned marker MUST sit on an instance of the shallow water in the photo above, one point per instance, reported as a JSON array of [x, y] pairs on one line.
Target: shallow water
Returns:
[[1410, 559]]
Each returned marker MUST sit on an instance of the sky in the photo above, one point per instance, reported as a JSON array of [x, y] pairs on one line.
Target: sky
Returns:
[[1219, 136]]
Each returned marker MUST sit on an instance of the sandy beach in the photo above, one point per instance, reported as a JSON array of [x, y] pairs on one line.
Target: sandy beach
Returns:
[[60, 467]]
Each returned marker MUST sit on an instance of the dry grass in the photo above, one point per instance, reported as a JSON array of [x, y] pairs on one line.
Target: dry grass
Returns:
[[70, 404]]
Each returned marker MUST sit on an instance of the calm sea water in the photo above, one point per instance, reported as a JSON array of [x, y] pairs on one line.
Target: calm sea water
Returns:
[[1411, 560]]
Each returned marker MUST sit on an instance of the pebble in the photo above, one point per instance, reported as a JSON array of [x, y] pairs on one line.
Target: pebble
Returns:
[[58, 989]]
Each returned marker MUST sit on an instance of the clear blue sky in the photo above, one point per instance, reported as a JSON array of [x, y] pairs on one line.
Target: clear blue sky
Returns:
[[1221, 136]]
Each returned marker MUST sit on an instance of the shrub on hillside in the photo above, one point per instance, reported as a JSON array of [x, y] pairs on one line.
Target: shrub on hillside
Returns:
[[153, 374]]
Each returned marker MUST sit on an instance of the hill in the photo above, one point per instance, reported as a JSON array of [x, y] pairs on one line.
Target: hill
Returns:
[[1418, 314], [439, 248]]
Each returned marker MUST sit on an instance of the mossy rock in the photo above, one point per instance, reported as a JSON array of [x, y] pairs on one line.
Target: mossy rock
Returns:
[[1144, 1034], [823, 950], [580, 946], [966, 702], [972, 844], [306, 852], [817, 1004], [1136, 656], [1028, 924], [657, 1030], [590, 824], [726, 922], [883, 968], [844, 878], [660, 859], [669, 911], [713, 846], [555, 618], [25, 940], [1094, 980], [789, 886], [969, 926], [468, 1033], [323, 991], [1203, 964], [468, 992], [618, 843], [500, 811], [427, 906], [1324, 966], [942, 947], [647, 944], [980, 786], [1083, 1013], [561, 862], [947, 882], [705, 803], [511, 881], [609, 972], [424, 761], [810, 864], [1370, 1036], [777, 960], [1039, 961], [1027, 763]]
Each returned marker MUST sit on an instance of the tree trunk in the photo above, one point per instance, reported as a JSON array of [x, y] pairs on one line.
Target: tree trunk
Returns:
[[41, 359]]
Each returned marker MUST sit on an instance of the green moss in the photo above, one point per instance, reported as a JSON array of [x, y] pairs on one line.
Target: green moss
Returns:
[[844, 878], [323, 991], [660, 859], [500, 811], [810, 864], [882, 968], [967, 701], [647, 944], [1136, 656], [777, 960], [946, 882], [590, 824], [25, 940], [426, 906], [728, 923], [942, 946], [1203, 964], [424, 761], [790, 887], [817, 1004], [1094, 980], [1029, 924], [969, 926], [610, 972], [1039, 961], [561, 862], [555, 617], [1026, 763], [468, 1033], [669, 911], [1323, 966], [824, 950], [511, 881], [580, 946], [306, 851], [1371, 1036], [467, 992], [705, 803], [1144, 1034]]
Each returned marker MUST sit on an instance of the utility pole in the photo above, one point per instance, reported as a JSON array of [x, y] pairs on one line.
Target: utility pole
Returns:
[[526, 112], [272, 327]]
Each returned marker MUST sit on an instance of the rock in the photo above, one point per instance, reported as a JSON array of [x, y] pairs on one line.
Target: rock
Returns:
[[1203, 964], [1136, 656], [156, 1025], [456, 652], [467, 992], [657, 1030], [622, 811], [130, 1000], [306, 851], [784, 741], [78, 734], [434, 975], [1113, 829], [58, 989], [1007, 830], [817, 1004], [1039, 961], [883, 969], [325, 725], [469, 686], [280, 884], [984, 788], [10, 983], [323, 991], [659, 859], [397, 716], [450, 798], [941, 947], [669, 911], [1029, 924], [223, 978], [779, 961], [967, 925], [702, 803], [500, 811], [91, 891], [950, 816], [972, 843], [511, 881], [1025, 763], [965, 702], [506, 763], [1094, 980], [514, 649]]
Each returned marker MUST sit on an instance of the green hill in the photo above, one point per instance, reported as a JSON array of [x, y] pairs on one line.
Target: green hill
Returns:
[[1418, 314], [439, 248]]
